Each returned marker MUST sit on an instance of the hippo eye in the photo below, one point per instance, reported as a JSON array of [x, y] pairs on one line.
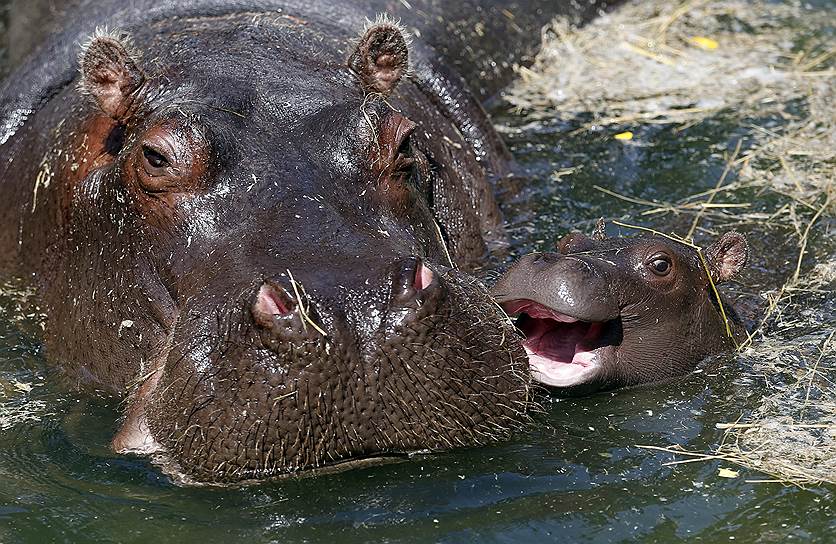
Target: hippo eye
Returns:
[[155, 162], [171, 158], [660, 265]]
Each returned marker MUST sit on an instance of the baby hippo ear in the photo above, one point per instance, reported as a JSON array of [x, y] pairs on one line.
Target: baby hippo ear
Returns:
[[381, 58], [727, 256], [110, 73]]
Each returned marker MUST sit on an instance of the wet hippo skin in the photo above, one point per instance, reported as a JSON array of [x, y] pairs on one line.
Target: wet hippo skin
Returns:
[[603, 313], [253, 220]]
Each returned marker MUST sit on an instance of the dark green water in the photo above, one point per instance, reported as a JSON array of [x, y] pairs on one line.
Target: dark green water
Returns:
[[575, 475]]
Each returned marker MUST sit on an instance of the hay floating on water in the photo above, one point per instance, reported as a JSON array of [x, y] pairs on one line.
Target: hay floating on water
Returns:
[[19, 409], [791, 436]]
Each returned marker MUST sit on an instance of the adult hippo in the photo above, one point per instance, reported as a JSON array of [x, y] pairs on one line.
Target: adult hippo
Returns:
[[604, 313], [250, 217]]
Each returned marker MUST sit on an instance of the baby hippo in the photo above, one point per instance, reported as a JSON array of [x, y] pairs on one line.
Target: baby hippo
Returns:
[[605, 313]]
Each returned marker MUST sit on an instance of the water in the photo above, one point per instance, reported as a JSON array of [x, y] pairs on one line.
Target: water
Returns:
[[575, 475]]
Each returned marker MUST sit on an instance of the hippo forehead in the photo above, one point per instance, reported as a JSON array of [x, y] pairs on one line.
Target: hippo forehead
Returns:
[[631, 252], [265, 67], [265, 166]]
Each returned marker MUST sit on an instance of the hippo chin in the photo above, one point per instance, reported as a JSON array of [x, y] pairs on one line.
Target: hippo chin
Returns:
[[608, 313]]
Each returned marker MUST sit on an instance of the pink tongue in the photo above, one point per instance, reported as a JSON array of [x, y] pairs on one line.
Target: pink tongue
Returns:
[[557, 356], [560, 346], [549, 372]]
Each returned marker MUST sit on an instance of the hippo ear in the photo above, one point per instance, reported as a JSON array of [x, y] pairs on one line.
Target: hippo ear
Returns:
[[727, 256], [381, 57], [110, 73]]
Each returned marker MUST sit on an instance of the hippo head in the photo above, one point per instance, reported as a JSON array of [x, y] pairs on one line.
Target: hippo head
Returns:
[[261, 246], [608, 313]]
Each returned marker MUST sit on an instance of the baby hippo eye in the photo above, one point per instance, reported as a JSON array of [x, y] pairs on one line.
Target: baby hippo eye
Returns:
[[660, 265], [155, 162]]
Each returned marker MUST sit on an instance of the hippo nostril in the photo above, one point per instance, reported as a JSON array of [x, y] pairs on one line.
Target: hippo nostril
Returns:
[[423, 277], [411, 278], [272, 300]]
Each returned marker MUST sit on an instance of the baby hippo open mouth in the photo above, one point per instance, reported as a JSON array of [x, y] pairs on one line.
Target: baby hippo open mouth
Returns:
[[561, 348], [603, 313]]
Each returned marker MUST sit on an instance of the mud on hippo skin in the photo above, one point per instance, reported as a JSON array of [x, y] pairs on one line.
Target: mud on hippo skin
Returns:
[[604, 313]]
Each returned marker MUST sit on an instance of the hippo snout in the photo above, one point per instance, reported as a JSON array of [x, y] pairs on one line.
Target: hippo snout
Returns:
[[412, 278], [569, 284], [284, 308], [309, 373]]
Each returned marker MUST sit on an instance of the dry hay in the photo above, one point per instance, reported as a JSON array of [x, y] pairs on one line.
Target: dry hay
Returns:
[[660, 62], [665, 62], [651, 62]]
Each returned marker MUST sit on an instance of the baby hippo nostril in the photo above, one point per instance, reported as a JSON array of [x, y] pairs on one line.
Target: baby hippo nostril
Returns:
[[272, 300]]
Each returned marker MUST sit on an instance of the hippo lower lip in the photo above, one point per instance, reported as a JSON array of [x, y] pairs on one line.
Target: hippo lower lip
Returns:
[[560, 348]]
